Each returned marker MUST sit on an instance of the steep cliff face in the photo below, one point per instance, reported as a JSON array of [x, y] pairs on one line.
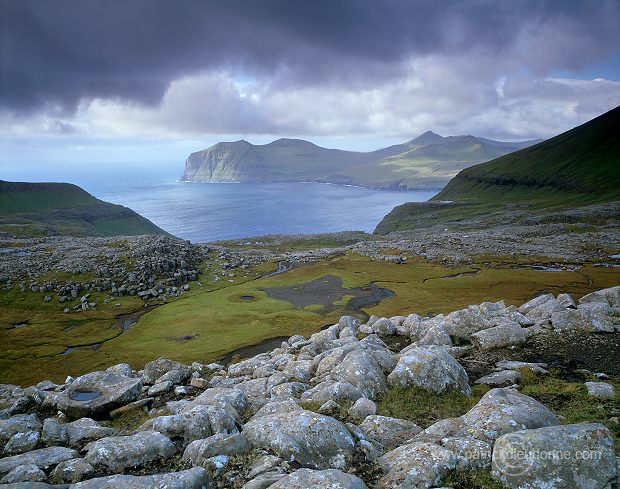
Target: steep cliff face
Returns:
[[427, 161]]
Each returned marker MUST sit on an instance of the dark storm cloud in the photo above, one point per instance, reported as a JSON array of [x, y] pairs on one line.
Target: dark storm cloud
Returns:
[[56, 52]]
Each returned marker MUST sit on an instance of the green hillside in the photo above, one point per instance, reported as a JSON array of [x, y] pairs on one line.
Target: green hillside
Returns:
[[582, 164], [426, 162], [40, 209], [578, 167]]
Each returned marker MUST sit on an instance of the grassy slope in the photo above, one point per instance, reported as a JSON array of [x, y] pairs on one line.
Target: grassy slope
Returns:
[[219, 321], [578, 167], [424, 162], [34, 209]]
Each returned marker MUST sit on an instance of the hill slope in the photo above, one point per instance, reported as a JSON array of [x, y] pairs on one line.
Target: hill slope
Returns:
[[428, 161], [578, 167], [583, 163], [36, 209]]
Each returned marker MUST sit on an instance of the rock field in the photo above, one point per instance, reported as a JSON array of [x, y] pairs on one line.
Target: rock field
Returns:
[[305, 415]]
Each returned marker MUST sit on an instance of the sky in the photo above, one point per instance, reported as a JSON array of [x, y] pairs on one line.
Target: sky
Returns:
[[145, 82]]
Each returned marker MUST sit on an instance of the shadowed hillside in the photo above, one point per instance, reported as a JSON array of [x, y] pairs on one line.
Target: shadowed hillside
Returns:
[[578, 167], [39, 209]]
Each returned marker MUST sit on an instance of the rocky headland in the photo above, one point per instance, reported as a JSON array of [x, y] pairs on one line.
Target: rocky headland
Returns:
[[321, 411]]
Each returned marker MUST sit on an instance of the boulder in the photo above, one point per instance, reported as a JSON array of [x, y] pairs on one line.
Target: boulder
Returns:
[[22, 423], [72, 471], [24, 473], [95, 394], [534, 303], [192, 425], [502, 411], [602, 390], [220, 396], [500, 379], [415, 465], [384, 327], [431, 368], [389, 432], [43, 458], [471, 454], [360, 369], [611, 296], [504, 334], [313, 479], [220, 444], [117, 453], [361, 408], [22, 442], [584, 319], [557, 457], [538, 368], [155, 369], [310, 439], [196, 478]]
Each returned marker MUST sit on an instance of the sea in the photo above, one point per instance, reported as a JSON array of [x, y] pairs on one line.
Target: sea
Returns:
[[203, 212]]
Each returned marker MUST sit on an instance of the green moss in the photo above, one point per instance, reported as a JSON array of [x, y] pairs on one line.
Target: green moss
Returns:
[[570, 400], [481, 479], [425, 407]]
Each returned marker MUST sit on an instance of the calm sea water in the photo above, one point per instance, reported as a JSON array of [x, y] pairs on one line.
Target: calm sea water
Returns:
[[204, 212]]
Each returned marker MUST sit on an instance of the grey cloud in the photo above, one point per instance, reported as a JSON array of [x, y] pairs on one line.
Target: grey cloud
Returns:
[[59, 52]]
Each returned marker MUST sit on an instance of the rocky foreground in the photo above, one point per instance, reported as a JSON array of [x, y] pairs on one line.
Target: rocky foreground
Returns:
[[303, 415]]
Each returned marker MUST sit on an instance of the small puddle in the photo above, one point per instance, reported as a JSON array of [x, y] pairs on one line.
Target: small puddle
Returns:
[[84, 396], [253, 350], [127, 321], [247, 298], [21, 325]]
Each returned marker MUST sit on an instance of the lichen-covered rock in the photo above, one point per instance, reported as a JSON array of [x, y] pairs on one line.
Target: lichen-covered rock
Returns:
[[196, 478], [502, 411], [500, 379], [220, 444], [117, 453], [360, 369], [332, 391], [43, 458], [415, 465], [361, 408], [192, 425], [72, 471], [431, 368], [504, 334], [584, 319], [308, 438], [557, 457], [155, 369], [21, 423], [314, 479], [219, 397], [24, 473], [611, 296], [22, 442], [95, 394], [389, 432], [471, 454]]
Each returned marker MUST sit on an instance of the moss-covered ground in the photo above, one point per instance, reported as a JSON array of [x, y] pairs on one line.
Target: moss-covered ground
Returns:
[[213, 320]]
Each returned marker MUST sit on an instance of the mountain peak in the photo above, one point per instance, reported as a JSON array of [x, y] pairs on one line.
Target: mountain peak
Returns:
[[429, 137]]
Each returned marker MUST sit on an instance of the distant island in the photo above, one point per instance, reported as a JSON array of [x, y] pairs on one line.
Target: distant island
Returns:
[[426, 162]]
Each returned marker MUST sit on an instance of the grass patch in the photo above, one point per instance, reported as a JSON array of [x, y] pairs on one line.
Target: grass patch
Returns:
[[481, 479], [425, 407], [571, 401]]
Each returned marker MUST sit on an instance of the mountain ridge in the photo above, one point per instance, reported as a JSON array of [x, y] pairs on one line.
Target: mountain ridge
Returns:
[[393, 167]]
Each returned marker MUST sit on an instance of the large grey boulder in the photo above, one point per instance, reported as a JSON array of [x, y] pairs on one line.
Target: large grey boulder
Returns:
[[558, 457], [311, 439], [95, 394], [500, 379], [602, 390], [415, 465], [22, 442], [74, 434], [44, 458], [583, 319], [71, 471], [431, 368], [24, 473], [360, 369], [502, 411], [200, 450], [332, 391], [611, 296], [196, 478], [465, 322], [504, 334], [154, 370], [534, 303], [21, 423], [220, 397], [117, 453], [314, 479], [389, 432]]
